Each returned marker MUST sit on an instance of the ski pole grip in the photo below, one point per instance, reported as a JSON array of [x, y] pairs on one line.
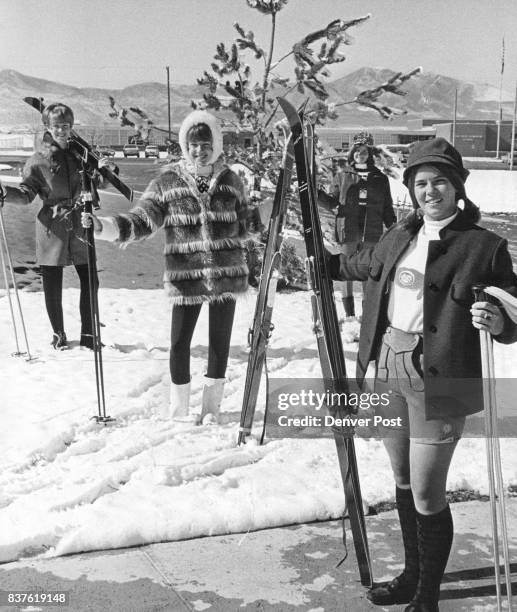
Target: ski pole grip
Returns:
[[479, 292]]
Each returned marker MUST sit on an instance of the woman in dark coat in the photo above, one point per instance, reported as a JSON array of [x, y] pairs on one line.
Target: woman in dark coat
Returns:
[[53, 174], [365, 208], [420, 326], [202, 206]]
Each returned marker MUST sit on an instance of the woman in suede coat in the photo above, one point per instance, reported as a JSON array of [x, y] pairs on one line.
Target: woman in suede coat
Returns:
[[421, 327]]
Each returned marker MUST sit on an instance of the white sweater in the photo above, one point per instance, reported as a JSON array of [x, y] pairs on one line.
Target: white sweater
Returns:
[[406, 302]]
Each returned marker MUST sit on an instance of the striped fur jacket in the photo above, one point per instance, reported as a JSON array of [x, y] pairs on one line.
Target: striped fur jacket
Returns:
[[205, 233]]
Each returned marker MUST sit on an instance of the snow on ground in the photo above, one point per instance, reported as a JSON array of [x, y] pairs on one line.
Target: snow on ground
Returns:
[[68, 484]]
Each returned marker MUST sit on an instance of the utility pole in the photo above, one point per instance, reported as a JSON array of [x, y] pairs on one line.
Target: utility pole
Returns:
[[512, 146], [169, 102], [454, 118], [500, 112]]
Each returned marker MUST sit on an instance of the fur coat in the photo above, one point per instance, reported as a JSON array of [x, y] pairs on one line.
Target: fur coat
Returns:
[[205, 233]]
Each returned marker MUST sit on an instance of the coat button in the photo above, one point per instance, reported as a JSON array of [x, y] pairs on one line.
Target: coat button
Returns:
[[433, 371], [433, 287], [433, 329]]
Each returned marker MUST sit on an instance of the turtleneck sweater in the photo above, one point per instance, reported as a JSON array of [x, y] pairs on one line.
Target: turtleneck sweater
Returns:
[[406, 301]]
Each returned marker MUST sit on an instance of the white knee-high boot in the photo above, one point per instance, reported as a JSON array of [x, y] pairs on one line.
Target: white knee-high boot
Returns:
[[213, 391], [179, 401]]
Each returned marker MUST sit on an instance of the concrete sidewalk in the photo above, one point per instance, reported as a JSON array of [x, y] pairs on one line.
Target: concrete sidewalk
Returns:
[[282, 570]]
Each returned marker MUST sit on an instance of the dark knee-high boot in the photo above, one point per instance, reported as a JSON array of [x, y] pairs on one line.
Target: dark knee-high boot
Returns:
[[402, 588], [434, 532], [348, 305]]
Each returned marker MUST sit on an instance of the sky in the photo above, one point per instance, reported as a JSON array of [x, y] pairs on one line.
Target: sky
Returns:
[[116, 43]]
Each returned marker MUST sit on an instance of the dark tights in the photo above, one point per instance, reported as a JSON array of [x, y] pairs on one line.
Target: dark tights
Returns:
[[184, 319], [53, 288]]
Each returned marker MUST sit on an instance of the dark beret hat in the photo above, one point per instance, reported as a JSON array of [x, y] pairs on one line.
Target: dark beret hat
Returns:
[[434, 151]]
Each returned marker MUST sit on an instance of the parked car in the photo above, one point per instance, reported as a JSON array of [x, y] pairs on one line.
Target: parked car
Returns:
[[152, 151], [105, 151], [130, 150]]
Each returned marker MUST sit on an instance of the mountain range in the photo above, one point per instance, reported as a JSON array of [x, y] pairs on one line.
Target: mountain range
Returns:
[[429, 95]]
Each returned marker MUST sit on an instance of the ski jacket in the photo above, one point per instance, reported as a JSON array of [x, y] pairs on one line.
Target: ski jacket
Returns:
[[465, 255], [205, 233], [356, 222], [52, 173]]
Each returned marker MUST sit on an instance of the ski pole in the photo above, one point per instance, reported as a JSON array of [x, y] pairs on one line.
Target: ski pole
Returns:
[[87, 200], [7, 262], [493, 452]]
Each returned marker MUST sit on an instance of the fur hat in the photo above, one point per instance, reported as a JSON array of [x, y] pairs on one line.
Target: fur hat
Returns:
[[195, 118], [362, 138], [434, 151]]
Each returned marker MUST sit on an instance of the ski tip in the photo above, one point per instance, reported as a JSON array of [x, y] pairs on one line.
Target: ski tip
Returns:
[[36, 103]]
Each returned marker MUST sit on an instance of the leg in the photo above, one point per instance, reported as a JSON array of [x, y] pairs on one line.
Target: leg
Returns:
[[183, 323], [403, 587], [84, 305], [220, 323], [52, 277], [365, 245], [429, 468]]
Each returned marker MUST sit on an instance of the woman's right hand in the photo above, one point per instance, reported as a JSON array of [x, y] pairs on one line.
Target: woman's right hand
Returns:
[[89, 219]]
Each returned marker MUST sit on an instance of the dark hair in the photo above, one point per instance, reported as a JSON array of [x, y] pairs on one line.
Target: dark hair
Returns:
[[370, 162], [59, 110], [200, 131], [414, 221]]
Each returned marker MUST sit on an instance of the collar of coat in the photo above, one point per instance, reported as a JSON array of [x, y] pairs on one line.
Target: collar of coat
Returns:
[[184, 169]]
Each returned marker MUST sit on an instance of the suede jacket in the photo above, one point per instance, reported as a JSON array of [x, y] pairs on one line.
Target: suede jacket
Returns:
[[53, 174], [465, 255]]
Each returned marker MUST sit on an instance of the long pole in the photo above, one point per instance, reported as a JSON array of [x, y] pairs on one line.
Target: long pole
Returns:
[[455, 116], [500, 112], [495, 474], [512, 145], [6, 262], [169, 100]]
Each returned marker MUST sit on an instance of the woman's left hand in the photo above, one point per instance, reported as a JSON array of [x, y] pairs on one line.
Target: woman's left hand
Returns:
[[488, 317]]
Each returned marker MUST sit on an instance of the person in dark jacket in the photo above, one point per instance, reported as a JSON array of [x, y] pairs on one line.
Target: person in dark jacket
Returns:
[[365, 209], [53, 174], [202, 206], [420, 326]]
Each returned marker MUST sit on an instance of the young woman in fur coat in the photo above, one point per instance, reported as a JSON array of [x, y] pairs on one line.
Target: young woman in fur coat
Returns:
[[52, 173], [365, 206], [202, 206]]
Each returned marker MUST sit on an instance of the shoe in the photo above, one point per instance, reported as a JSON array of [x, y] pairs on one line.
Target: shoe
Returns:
[[213, 391], [87, 341], [178, 409], [395, 591], [59, 341]]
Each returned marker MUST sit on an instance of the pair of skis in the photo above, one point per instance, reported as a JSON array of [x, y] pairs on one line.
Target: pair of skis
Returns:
[[260, 332], [326, 326]]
